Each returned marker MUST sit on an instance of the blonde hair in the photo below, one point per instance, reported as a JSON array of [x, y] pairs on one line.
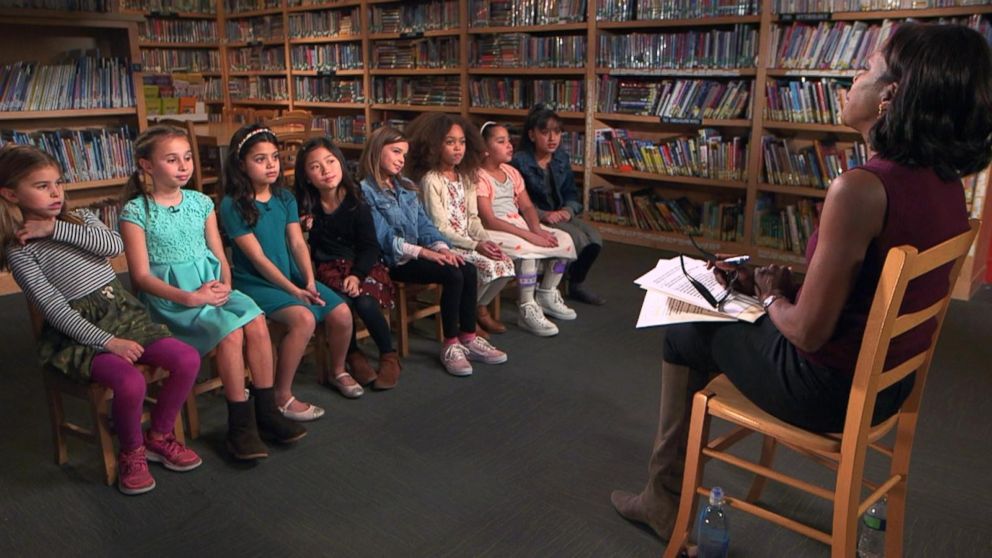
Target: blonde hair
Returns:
[[16, 162], [144, 146], [368, 165]]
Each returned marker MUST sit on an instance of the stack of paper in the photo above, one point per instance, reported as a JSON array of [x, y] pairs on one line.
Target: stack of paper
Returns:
[[671, 298]]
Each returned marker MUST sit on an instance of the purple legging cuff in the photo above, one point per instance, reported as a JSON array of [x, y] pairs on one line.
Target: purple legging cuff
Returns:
[[128, 384]]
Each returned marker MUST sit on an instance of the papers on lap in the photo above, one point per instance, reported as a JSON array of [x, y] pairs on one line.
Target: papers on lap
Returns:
[[671, 299]]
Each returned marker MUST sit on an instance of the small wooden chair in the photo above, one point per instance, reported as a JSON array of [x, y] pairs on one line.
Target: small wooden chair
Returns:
[[57, 385], [290, 144], [844, 452], [410, 307], [293, 121]]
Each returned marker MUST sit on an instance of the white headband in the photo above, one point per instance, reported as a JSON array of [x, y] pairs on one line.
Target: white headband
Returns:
[[252, 134], [487, 123]]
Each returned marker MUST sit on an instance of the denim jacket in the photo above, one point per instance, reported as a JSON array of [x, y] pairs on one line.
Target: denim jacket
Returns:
[[399, 219], [562, 177]]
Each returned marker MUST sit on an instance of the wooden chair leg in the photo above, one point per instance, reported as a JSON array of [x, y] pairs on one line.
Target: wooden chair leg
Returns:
[[768, 446], [56, 413], [178, 430], [99, 407], [192, 417], [402, 323], [495, 307], [699, 426]]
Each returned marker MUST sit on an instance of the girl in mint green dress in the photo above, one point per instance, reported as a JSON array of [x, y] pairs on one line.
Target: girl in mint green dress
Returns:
[[176, 260], [272, 265]]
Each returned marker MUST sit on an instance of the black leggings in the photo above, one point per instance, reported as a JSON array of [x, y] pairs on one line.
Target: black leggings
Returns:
[[579, 269], [769, 370], [458, 291], [368, 309]]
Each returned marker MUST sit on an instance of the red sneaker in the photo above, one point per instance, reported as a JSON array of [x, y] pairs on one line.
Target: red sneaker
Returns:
[[133, 476], [170, 453]]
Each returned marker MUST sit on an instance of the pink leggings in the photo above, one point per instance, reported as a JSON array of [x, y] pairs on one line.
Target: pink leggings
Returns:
[[128, 385]]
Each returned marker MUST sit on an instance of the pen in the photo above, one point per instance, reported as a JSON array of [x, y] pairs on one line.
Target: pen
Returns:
[[736, 260]]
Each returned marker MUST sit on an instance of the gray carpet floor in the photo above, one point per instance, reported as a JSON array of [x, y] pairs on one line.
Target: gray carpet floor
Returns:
[[516, 460]]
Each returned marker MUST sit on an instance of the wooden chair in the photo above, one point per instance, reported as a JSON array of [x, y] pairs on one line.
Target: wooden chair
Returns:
[[98, 397], [413, 302], [261, 115], [290, 122], [290, 144], [845, 452]]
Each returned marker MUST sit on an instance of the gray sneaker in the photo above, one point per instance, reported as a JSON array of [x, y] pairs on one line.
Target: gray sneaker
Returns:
[[453, 357], [553, 305], [532, 319]]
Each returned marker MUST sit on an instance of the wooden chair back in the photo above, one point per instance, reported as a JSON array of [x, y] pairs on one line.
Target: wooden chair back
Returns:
[[844, 452], [414, 302], [298, 121]]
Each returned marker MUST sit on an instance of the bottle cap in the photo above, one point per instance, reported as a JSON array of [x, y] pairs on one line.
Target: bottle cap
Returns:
[[716, 496]]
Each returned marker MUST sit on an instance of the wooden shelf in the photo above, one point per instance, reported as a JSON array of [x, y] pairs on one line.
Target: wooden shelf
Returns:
[[415, 72], [271, 41], [253, 13], [156, 44], [256, 73], [73, 113], [348, 145], [693, 180], [337, 73], [63, 17], [830, 128], [328, 105], [552, 28], [924, 13], [318, 40], [793, 190], [679, 72], [260, 102], [453, 32], [322, 7], [528, 71], [496, 111], [416, 108], [169, 14], [786, 72], [665, 240], [94, 184], [656, 120], [698, 22]]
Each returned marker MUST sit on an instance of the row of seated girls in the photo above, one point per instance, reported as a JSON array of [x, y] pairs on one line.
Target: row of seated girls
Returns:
[[461, 216]]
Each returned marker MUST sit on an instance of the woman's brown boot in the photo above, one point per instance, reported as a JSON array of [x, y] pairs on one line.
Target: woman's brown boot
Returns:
[[488, 322], [389, 371], [359, 367]]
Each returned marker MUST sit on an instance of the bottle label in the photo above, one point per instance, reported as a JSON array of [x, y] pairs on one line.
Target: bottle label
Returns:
[[875, 523]]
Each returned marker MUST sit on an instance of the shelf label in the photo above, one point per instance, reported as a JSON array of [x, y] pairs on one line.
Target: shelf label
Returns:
[[682, 121], [808, 17], [412, 35]]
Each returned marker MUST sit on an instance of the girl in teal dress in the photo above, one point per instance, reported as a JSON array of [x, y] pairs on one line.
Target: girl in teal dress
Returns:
[[272, 265], [176, 260]]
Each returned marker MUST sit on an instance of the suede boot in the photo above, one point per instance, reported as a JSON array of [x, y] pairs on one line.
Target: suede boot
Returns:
[[657, 504], [488, 322], [242, 434], [389, 371], [359, 368], [271, 423]]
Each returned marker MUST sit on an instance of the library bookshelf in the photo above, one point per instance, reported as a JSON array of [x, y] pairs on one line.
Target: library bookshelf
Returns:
[[358, 63]]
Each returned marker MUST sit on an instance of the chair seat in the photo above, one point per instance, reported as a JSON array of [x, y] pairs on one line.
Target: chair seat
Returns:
[[730, 404]]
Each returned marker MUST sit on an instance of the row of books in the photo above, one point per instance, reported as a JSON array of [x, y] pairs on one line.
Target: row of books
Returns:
[[108, 211], [813, 166], [233, 7], [84, 155], [178, 30], [86, 82], [646, 210], [521, 50], [806, 101], [171, 6], [326, 23], [261, 28], [706, 155], [785, 228], [505, 13], [180, 60], [433, 52], [517, 93], [328, 90], [327, 56], [574, 143], [714, 48], [425, 90], [676, 98], [345, 129], [414, 17], [829, 6], [639, 10], [829, 45], [63, 5], [259, 88], [184, 85], [256, 59]]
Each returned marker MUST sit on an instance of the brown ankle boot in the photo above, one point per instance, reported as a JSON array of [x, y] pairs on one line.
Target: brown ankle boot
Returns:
[[359, 367], [389, 371], [488, 322], [481, 332]]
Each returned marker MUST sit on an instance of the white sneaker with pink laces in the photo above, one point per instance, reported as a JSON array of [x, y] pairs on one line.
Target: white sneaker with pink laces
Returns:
[[453, 357], [478, 349]]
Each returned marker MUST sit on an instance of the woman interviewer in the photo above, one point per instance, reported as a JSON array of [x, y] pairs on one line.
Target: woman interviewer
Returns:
[[923, 104]]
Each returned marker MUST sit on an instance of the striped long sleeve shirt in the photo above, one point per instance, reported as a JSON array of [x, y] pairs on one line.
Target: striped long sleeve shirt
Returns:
[[69, 265]]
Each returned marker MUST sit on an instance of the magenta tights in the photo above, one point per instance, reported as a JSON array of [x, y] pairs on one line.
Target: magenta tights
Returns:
[[128, 385]]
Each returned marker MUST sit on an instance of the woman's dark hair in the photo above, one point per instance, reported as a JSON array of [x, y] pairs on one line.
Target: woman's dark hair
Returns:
[[940, 115], [538, 118], [307, 195], [427, 133], [236, 181]]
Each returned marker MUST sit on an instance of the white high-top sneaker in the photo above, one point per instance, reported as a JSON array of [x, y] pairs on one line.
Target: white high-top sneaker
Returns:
[[553, 305], [532, 319]]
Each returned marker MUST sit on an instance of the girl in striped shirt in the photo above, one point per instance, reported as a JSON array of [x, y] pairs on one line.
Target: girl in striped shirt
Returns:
[[94, 329]]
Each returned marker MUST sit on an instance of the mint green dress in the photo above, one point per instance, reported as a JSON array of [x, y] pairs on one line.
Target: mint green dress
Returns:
[[270, 231], [177, 254]]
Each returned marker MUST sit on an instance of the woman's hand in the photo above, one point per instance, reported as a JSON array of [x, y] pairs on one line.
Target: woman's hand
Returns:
[[125, 348], [308, 295], [32, 229], [433, 256], [489, 249], [743, 283], [350, 285], [453, 258], [774, 279], [213, 293], [543, 239]]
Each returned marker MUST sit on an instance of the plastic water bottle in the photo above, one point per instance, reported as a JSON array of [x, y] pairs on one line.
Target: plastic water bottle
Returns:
[[712, 529], [871, 541]]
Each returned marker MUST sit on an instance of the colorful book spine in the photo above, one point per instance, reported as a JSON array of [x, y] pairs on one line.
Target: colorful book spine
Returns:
[[518, 93], [86, 154], [328, 90]]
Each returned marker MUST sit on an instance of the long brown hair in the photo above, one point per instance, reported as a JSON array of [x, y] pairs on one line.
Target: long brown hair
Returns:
[[427, 134], [16, 162], [237, 185], [368, 164], [144, 147]]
